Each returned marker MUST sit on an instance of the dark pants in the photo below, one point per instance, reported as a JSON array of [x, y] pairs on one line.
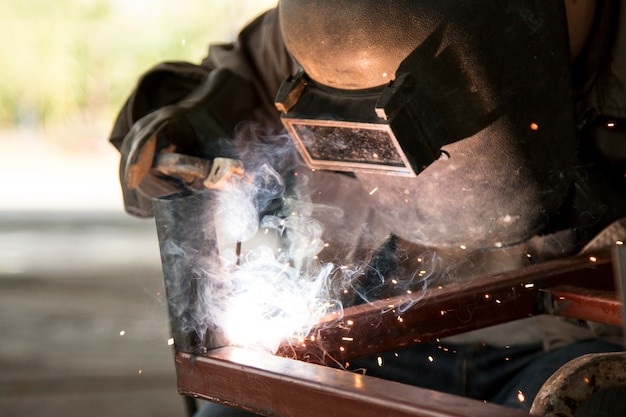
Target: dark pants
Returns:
[[506, 376]]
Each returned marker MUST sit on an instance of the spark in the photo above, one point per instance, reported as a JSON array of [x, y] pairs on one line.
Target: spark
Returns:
[[140, 371], [443, 312], [498, 301], [394, 281], [396, 354], [440, 287], [610, 125], [534, 126], [123, 332], [619, 242], [531, 285], [348, 339], [409, 292], [341, 348], [350, 322], [487, 296], [380, 361], [312, 338], [520, 396], [374, 190], [430, 359], [375, 155], [158, 293], [593, 259], [400, 319], [586, 380], [170, 341], [463, 247]]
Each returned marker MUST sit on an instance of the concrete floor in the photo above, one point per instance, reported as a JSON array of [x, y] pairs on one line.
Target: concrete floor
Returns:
[[83, 317]]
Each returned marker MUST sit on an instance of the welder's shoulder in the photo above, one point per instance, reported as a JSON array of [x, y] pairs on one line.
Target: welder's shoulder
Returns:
[[259, 54]]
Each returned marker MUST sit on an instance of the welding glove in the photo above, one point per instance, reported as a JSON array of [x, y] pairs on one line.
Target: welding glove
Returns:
[[195, 129], [188, 110]]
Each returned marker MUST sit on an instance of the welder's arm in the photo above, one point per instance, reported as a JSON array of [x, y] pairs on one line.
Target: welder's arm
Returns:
[[190, 111]]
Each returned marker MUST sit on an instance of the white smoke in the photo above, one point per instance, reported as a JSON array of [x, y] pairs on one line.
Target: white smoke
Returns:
[[267, 285]]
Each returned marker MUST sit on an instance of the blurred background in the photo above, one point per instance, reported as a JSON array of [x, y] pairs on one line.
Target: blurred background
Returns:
[[83, 317]]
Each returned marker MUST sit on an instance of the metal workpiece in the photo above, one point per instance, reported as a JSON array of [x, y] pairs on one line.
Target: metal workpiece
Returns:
[[456, 308], [297, 380], [273, 386], [584, 303], [184, 244], [591, 301]]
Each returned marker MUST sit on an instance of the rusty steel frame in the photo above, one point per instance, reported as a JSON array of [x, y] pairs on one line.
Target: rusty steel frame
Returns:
[[582, 303], [457, 308], [272, 385]]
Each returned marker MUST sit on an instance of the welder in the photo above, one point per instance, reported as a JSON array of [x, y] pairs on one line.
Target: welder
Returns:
[[493, 129]]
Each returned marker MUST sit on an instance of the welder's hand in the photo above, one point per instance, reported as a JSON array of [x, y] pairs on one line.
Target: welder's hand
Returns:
[[173, 147]]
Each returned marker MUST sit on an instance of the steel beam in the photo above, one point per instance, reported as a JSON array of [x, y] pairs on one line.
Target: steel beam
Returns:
[[273, 386], [447, 310]]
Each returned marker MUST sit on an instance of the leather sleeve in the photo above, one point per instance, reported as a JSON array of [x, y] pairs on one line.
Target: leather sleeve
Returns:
[[258, 55]]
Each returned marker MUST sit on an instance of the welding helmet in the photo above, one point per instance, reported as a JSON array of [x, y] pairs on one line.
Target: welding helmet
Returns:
[[458, 116]]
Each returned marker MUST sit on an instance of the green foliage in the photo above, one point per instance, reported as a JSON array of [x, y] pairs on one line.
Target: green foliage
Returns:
[[65, 57]]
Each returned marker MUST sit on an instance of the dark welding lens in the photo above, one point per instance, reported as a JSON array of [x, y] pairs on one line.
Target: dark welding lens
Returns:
[[349, 146]]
